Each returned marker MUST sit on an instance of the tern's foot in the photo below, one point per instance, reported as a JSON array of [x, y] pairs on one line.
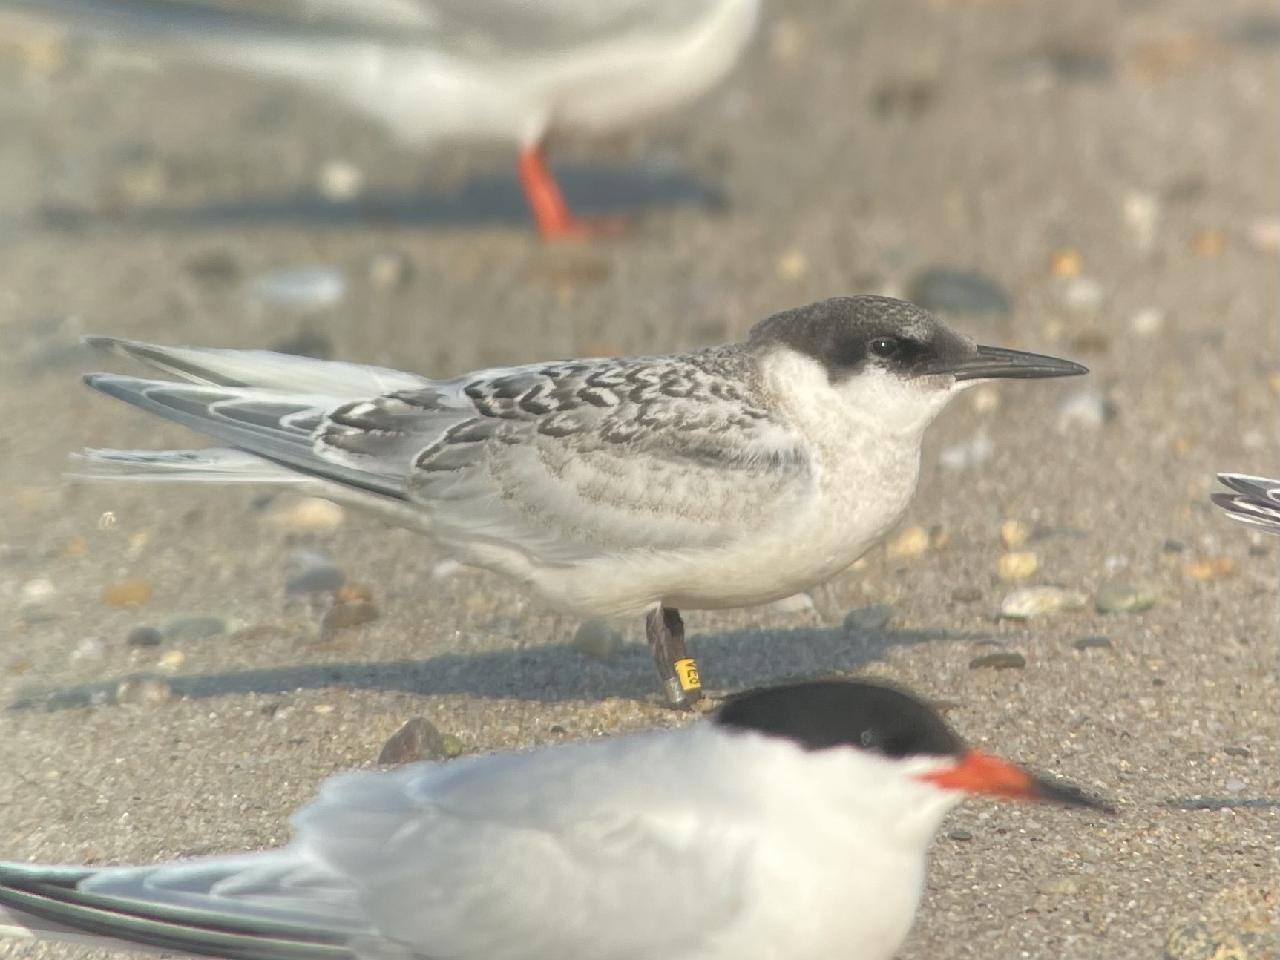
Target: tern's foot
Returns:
[[572, 229]]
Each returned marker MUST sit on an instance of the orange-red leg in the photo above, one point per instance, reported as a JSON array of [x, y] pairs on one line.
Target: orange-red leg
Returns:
[[547, 203]]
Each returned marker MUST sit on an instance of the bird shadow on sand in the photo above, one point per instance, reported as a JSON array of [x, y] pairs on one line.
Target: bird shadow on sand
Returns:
[[555, 672], [485, 198]]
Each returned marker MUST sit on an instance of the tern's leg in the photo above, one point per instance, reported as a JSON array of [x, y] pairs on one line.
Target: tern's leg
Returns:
[[547, 203], [677, 671]]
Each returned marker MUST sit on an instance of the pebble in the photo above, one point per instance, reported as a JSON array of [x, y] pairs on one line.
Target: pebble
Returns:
[[1014, 533], [340, 180], [1198, 940], [1209, 243], [970, 453], [868, 619], [343, 615], [966, 594], [911, 542], [198, 627], [172, 661], [1142, 214], [305, 289], [90, 648], [1018, 565], [311, 572], [1147, 322], [389, 270], [1119, 596], [144, 636], [127, 593], [908, 97], [1082, 293], [418, 739], [1066, 263], [36, 599], [308, 514], [143, 688], [962, 836], [1264, 234], [597, 639], [1209, 568], [958, 291], [1092, 643], [212, 267], [1003, 660], [1082, 410], [1029, 602], [793, 266]]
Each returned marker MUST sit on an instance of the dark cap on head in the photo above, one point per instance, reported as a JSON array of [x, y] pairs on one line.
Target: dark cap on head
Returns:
[[821, 714]]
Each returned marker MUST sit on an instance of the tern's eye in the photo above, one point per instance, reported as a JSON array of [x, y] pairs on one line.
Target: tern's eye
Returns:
[[885, 347]]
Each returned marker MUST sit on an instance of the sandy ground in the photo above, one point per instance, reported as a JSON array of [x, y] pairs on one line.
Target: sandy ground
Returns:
[[1110, 165]]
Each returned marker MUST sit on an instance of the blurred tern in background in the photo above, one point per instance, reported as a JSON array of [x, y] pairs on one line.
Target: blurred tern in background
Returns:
[[726, 477], [1252, 500], [510, 71], [794, 824]]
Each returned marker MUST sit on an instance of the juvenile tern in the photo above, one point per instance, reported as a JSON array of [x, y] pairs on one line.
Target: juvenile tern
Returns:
[[1252, 500], [507, 71], [794, 824], [725, 477]]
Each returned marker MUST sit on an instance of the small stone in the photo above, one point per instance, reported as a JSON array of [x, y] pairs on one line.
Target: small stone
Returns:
[[90, 648], [788, 39], [144, 636], [308, 514], [1029, 602], [792, 266], [910, 543], [343, 615], [322, 708], [419, 739], [1264, 234], [1082, 293], [194, 628], [1066, 263], [340, 180], [1142, 213], [36, 597], [1237, 751], [1017, 566], [1209, 568], [212, 267], [171, 661], [966, 594], [1003, 660], [1171, 545], [1209, 243], [1147, 322], [961, 836], [948, 290], [127, 593], [1013, 534], [453, 746], [143, 688], [311, 572], [984, 399], [1091, 643], [1082, 410], [597, 639], [868, 619], [908, 97], [968, 454], [389, 270], [353, 593], [1198, 940], [1118, 596], [303, 289]]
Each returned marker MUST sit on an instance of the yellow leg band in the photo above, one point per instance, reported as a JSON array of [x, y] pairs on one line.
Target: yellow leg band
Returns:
[[687, 673]]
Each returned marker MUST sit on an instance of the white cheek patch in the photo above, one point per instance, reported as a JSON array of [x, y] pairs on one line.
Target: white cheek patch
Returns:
[[901, 404]]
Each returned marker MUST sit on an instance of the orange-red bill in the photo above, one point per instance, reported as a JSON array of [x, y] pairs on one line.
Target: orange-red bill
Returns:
[[979, 772]]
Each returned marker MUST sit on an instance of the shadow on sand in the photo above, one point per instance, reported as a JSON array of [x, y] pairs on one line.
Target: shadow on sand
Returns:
[[556, 672], [486, 198]]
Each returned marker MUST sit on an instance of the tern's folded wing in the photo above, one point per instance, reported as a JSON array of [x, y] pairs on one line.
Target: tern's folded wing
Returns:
[[572, 461], [581, 853]]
